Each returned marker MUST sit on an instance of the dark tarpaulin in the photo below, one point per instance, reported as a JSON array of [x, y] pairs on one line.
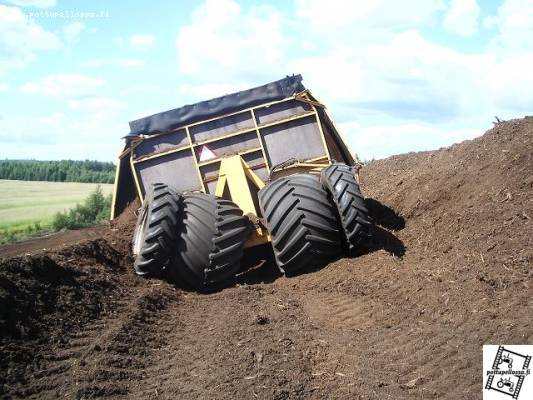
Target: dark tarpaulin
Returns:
[[189, 114]]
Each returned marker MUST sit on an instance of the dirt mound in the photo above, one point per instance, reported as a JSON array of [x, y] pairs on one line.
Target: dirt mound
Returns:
[[449, 271]]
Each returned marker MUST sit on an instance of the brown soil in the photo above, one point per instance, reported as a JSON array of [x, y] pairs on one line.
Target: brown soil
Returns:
[[450, 270], [52, 241]]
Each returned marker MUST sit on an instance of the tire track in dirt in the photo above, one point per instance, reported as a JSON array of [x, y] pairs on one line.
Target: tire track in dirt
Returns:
[[121, 354], [384, 339], [105, 356], [364, 327], [231, 345]]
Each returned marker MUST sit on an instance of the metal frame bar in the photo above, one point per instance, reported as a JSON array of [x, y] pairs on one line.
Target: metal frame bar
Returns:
[[297, 96], [136, 178], [219, 159], [235, 174], [257, 129], [314, 160], [294, 97], [322, 135], [115, 190], [304, 96], [195, 160], [260, 138], [226, 136], [213, 178], [125, 151], [163, 153], [341, 135]]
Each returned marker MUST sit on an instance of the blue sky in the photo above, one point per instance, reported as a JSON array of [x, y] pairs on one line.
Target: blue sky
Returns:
[[397, 76]]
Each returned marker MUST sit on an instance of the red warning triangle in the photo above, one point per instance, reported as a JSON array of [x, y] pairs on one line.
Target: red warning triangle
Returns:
[[206, 154]]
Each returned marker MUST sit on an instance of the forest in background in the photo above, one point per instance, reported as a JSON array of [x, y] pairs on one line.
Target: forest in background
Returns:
[[58, 171]]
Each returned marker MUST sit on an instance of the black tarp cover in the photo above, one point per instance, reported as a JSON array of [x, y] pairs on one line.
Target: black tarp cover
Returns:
[[189, 114]]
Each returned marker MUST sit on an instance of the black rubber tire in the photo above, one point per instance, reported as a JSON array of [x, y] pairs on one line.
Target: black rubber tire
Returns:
[[154, 240], [301, 221], [211, 239], [353, 215]]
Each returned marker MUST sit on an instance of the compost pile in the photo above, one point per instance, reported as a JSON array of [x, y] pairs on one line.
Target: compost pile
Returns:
[[450, 269]]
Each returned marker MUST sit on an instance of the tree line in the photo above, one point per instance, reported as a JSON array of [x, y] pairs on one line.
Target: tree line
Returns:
[[58, 171]]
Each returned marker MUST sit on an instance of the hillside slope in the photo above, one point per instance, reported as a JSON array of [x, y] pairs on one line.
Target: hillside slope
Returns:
[[450, 270]]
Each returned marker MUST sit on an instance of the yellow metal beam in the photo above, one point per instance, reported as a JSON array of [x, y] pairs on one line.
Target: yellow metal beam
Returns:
[[136, 179], [218, 159], [260, 138], [221, 185], [115, 190], [234, 174], [195, 160], [161, 154], [304, 98], [343, 140], [322, 135]]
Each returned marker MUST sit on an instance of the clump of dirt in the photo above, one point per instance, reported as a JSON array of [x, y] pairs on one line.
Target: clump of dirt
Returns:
[[449, 270]]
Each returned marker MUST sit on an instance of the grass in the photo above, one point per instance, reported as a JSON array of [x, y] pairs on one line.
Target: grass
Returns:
[[27, 207]]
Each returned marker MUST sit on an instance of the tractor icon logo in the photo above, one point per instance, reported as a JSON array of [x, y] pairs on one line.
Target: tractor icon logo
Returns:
[[507, 374], [506, 382], [505, 359]]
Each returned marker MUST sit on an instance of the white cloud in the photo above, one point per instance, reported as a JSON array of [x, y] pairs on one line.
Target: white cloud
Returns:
[[462, 17], [389, 85], [53, 120], [33, 3], [115, 62], [514, 23], [21, 38], [370, 63], [381, 140], [96, 104], [507, 80], [4, 87], [67, 85], [362, 16], [141, 42], [72, 31], [231, 42], [71, 135], [89, 129], [404, 76]]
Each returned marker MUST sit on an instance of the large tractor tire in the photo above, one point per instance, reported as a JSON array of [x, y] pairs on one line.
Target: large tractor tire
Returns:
[[340, 181], [301, 222], [154, 239], [210, 247]]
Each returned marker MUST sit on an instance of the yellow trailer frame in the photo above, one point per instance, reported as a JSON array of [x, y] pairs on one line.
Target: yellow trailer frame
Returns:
[[235, 177]]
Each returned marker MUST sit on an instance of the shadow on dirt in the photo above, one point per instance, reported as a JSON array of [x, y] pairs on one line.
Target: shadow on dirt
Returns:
[[382, 239], [259, 266], [384, 216], [385, 220]]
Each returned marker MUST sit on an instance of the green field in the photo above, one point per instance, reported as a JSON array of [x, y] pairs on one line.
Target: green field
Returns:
[[24, 204]]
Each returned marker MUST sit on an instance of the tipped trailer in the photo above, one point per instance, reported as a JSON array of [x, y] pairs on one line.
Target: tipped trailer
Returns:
[[264, 165]]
